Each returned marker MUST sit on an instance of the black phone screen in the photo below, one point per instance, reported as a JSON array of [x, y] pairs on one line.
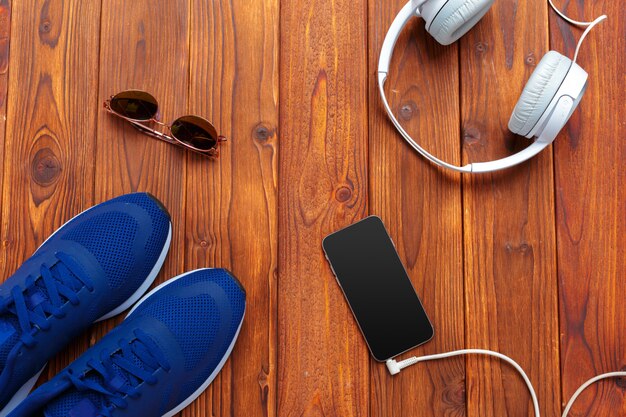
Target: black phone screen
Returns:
[[378, 289]]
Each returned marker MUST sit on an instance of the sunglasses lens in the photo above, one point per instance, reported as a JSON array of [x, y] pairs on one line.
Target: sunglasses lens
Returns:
[[196, 132], [136, 105]]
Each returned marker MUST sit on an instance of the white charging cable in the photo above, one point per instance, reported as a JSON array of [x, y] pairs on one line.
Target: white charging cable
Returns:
[[587, 384], [395, 367]]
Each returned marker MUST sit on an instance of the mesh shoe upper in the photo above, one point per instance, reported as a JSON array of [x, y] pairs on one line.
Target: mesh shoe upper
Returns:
[[165, 352], [112, 236], [95, 264]]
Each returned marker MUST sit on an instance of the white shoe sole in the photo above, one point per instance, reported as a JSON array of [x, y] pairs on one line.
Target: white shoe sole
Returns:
[[220, 365], [25, 389]]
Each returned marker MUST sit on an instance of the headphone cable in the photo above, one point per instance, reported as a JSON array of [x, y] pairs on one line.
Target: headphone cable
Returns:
[[568, 19], [585, 33], [588, 25]]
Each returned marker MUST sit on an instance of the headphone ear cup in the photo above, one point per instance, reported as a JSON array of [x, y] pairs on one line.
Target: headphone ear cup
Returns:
[[539, 91], [456, 18]]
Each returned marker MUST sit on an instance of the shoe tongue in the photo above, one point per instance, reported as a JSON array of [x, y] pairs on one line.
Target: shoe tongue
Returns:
[[38, 293], [75, 403]]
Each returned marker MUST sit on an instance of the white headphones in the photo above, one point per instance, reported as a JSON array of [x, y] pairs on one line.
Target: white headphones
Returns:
[[549, 97]]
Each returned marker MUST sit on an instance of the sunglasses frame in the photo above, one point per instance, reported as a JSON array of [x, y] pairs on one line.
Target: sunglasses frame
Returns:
[[213, 152]]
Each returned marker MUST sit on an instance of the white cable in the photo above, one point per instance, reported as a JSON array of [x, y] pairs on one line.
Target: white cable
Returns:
[[586, 385], [567, 19], [588, 25], [586, 32], [395, 367]]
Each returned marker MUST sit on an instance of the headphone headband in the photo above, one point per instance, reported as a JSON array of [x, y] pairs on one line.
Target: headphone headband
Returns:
[[408, 11], [399, 23], [551, 122]]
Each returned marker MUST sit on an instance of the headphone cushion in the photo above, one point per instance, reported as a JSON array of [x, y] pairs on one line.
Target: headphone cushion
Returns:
[[539, 92], [456, 18]]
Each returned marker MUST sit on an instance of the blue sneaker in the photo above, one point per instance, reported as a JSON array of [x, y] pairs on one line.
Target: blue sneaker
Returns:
[[95, 266], [157, 361]]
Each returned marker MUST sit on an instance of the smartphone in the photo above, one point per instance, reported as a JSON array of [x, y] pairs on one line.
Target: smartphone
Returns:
[[377, 288]]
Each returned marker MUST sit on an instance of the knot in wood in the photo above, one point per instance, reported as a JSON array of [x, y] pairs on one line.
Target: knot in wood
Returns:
[[45, 167], [45, 26], [454, 395], [530, 60], [343, 194], [263, 378], [262, 133], [523, 248], [481, 47], [621, 382], [408, 110], [471, 135]]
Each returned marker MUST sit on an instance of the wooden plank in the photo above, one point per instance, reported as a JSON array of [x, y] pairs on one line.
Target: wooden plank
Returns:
[[146, 47], [5, 36], [232, 213], [51, 117], [510, 254], [591, 212], [421, 207], [322, 359]]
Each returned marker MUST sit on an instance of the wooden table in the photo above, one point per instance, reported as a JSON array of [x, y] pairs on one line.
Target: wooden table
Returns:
[[529, 262]]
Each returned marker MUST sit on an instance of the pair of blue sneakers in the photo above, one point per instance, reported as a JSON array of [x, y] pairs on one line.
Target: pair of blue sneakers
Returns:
[[157, 361]]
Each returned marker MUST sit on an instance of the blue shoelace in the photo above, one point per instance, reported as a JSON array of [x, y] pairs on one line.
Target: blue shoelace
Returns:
[[33, 307], [118, 376]]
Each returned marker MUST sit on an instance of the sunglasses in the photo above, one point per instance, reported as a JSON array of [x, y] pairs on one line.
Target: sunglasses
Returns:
[[192, 132]]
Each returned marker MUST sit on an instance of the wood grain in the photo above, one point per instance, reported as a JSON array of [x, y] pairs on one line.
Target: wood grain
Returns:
[[510, 254], [421, 207], [145, 47], [322, 359], [231, 203], [5, 37], [591, 212], [49, 151], [529, 261]]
